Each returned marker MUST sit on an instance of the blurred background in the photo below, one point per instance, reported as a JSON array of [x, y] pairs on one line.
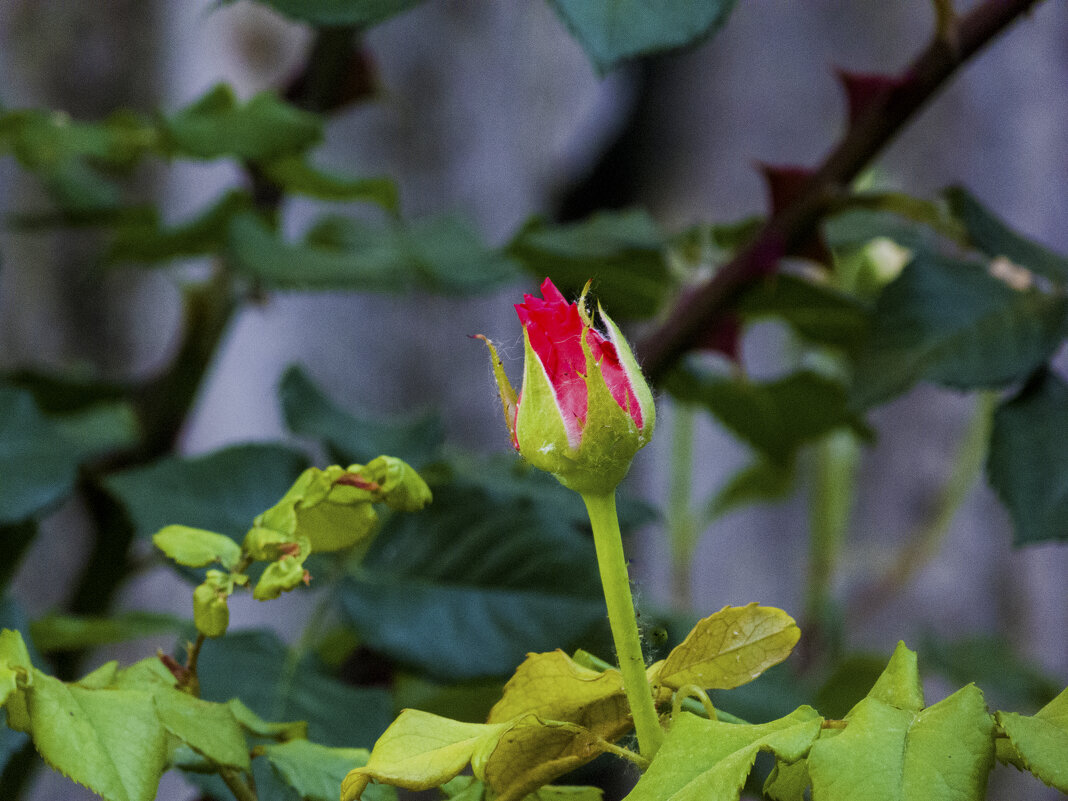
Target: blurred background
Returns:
[[493, 111]]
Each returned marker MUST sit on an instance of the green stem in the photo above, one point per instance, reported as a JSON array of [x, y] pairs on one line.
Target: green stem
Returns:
[[238, 786], [831, 506], [613, 566], [681, 525]]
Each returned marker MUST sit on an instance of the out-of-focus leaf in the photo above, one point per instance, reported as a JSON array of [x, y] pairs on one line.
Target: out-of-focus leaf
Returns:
[[1028, 461], [472, 585], [255, 667], [67, 632], [440, 254], [817, 312], [953, 323], [612, 31], [147, 239], [218, 124], [760, 482], [334, 13], [906, 209], [310, 413], [39, 455], [295, 174], [222, 491], [995, 238], [623, 252], [776, 417], [992, 663]]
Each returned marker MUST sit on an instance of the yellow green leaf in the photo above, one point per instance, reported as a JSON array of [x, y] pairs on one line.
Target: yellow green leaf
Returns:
[[531, 752], [209, 729], [254, 724], [730, 648], [1040, 741], [419, 751], [197, 547], [555, 687]]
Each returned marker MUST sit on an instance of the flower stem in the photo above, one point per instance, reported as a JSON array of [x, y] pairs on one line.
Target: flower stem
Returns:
[[613, 566]]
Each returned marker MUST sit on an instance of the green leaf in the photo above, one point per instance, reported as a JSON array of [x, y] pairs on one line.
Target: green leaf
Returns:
[[706, 760], [1028, 461], [612, 31], [994, 238], [730, 648], [294, 174], [315, 771], [217, 125], [442, 254], [39, 455], [148, 239], [221, 491], [1041, 741], [257, 726], [256, 667], [623, 252], [349, 438], [69, 633], [196, 547], [209, 729], [942, 753], [788, 781], [819, 313], [420, 751], [109, 740], [466, 588], [953, 323], [776, 417], [334, 13]]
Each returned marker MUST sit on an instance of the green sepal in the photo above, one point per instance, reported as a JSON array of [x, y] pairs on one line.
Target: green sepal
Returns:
[[540, 429], [509, 399], [211, 615]]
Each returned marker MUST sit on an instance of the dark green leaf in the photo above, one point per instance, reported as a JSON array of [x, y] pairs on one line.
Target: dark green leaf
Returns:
[[333, 13], [611, 31], [15, 538], [295, 174], [761, 481], [442, 254], [623, 252], [222, 491], [67, 632], [776, 417], [817, 312], [256, 667], [1028, 461], [39, 455], [473, 584], [217, 125], [994, 238], [147, 239], [953, 323], [310, 413]]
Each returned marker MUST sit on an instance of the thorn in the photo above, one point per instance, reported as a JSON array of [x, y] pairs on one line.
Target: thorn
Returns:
[[865, 89], [180, 672], [785, 183]]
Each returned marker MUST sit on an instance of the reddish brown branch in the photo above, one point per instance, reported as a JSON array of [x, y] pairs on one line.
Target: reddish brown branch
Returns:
[[867, 134]]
